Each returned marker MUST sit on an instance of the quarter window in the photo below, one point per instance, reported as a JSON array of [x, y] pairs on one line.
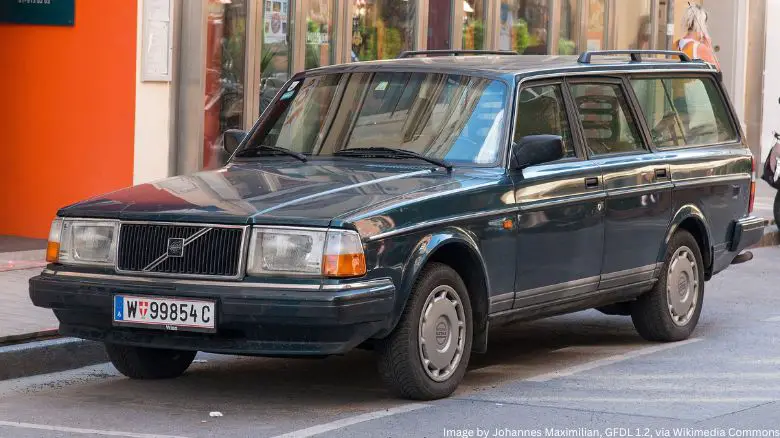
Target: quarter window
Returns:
[[541, 110], [606, 121], [684, 111]]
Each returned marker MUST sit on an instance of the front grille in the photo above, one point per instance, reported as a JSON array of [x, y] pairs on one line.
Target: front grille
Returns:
[[207, 250]]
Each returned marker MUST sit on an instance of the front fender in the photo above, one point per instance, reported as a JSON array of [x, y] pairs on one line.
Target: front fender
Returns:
[[422, 252], [689, 211]]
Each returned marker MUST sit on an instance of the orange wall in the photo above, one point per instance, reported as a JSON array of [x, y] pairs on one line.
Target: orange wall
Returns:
[[67, 103]]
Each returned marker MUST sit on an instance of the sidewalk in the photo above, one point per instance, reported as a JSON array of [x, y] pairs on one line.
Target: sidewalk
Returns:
[[21, 259]]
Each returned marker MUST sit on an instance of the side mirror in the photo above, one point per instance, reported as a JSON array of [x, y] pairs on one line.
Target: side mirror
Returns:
[[536, 149], [231, 138]]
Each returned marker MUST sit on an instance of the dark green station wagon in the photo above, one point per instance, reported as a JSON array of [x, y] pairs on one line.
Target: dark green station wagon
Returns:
[[408, 206]]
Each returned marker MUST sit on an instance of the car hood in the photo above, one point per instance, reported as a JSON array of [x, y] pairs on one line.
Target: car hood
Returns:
[[289, 193]]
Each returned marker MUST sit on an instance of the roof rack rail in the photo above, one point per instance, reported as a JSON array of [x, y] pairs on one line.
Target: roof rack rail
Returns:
[[636, 55], [410, 53]]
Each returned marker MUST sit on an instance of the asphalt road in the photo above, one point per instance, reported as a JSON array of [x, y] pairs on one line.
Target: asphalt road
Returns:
[[584, 374]]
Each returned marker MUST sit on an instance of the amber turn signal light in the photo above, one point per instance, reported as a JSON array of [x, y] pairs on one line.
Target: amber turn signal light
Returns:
[[344, 265], [52, 252], [53, 246], [343, 255]]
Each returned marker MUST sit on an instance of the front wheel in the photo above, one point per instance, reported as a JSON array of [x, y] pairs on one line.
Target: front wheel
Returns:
[[149, 363], [671, 310], [427, 354]]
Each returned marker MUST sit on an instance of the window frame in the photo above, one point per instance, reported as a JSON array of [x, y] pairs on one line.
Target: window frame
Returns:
[[707, 75], [571, 117]]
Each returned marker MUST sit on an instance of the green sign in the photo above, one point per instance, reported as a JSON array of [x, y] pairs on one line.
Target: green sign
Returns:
[[51, 12]]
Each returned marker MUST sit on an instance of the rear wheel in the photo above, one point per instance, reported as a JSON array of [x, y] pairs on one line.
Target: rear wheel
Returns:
[[427, 354], [149, 363], [671, 310]]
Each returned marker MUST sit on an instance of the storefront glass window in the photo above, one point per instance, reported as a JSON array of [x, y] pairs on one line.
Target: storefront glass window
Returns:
[[473, 24], [632, 24], [596, 35], [439, 20], [319, 32], [382, 29], [275, 49], [524, 26], [568, 40], [225, 74]]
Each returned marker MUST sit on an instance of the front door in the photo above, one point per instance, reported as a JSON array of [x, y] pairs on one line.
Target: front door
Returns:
[[560, 220], [637, 182]]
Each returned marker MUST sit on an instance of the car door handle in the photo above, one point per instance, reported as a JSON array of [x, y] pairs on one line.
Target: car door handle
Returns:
[[661, 173], [591, 182]]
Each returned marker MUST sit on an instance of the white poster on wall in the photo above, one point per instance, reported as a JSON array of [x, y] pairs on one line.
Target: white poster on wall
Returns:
[[275, 21], [156, 40]]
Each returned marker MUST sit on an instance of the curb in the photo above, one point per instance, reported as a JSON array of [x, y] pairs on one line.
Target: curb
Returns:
[[49, 356], [28, 337]]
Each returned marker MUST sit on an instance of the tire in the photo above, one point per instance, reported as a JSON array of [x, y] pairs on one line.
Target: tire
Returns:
[[401, 355], [149, 363], [776, 208], [666, 315]]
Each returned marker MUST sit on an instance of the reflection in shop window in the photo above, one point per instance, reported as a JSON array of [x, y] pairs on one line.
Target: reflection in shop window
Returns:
[[632, 21], [473, 24], [439, 24], [382, 29], [319, 32], [275, 49], [225, 61], [567, 40], [596, 36], [524, 26]]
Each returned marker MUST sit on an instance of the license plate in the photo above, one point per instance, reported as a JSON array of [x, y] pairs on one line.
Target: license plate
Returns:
[[166, 313]]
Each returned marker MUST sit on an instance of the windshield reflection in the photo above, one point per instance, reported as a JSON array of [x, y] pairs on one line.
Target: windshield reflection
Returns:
[[454, 117]]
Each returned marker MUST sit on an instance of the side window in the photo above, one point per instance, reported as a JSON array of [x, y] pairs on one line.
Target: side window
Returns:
[[684, 111], [606, 121], [541, 110]]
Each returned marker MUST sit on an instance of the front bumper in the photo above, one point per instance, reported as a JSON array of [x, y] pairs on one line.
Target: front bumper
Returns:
[[252, 318], [747, 232]]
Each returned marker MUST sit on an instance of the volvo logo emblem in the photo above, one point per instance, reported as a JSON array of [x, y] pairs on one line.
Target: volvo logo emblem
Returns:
[[175, 247]]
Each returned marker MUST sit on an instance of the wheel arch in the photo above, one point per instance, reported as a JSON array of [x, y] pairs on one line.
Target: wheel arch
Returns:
[[457, 248], [690, 218]]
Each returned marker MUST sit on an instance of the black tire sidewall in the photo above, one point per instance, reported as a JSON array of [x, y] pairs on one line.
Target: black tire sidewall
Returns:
[[432, 276], [650, 312]]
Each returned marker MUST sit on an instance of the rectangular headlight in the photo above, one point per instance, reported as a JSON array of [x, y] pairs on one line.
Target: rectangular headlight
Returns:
[[286, 251], [296, 251], [88, 242]]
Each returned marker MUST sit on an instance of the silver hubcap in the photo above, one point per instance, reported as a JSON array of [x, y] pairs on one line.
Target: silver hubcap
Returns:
[[682, 286], [442, 333]]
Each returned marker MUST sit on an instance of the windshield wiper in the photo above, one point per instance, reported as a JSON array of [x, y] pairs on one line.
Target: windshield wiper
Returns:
[[279, 149], [393, 153]]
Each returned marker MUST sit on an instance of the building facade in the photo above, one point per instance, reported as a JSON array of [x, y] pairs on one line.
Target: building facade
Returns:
[[147, 93]]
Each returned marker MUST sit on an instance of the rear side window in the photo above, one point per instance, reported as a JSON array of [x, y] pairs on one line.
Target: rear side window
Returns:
[[606, 120], [684, 111]]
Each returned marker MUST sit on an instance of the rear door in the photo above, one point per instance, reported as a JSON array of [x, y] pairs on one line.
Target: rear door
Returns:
[[560, 222], [692, 127], [636, 181]]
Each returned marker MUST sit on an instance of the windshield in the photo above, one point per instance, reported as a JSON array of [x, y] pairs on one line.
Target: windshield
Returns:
[[452, 117]]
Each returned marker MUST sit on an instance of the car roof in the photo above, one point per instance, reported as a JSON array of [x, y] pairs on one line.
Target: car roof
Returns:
[[513, 67]]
